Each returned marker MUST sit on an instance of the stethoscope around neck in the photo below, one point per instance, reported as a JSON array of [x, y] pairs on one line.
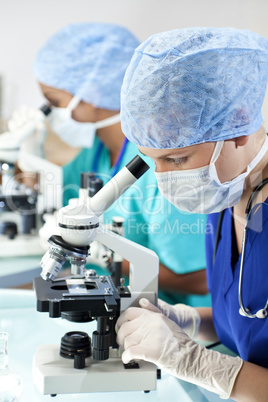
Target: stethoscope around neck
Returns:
[[244, 311]]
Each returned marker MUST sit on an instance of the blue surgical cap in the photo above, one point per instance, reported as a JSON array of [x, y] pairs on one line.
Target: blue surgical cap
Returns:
[[190, 86], [88, 60]]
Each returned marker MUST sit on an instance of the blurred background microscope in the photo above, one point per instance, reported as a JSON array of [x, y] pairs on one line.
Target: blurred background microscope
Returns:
[[30, 193]]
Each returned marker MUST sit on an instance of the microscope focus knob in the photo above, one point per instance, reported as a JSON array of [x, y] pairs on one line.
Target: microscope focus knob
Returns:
[[100, 345]]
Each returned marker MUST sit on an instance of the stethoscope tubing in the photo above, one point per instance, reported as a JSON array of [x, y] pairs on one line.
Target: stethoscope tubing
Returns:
[[116, 166], [262, 313]]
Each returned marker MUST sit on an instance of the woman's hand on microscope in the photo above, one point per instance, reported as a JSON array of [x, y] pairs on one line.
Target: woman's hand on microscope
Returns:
[[151, 336], [185, 316], [145, 334]]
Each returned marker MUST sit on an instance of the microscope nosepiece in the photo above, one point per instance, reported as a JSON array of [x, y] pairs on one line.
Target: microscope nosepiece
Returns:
[[59, 251]]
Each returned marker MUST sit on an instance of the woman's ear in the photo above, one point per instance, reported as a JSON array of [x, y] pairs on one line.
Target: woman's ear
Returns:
[[240, 141]]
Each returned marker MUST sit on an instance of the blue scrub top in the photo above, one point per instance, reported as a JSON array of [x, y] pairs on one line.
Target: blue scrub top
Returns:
[[247, 337], [150, 220]]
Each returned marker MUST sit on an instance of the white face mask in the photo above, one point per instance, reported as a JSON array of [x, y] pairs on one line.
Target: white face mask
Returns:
[[75, 133], [200, 190]]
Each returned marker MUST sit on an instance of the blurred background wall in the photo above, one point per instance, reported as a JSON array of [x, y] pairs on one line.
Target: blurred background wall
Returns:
[[26, 24]]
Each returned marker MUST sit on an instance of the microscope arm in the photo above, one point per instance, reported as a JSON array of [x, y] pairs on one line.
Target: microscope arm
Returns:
[[144, 264]]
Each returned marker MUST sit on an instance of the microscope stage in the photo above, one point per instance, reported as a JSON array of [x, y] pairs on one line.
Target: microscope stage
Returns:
[[54, 374], [99, 297]]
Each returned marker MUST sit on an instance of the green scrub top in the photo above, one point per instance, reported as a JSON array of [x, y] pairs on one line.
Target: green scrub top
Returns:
[[178, 238]]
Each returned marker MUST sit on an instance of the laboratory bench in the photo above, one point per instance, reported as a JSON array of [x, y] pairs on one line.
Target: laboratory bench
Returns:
[[28, 329]]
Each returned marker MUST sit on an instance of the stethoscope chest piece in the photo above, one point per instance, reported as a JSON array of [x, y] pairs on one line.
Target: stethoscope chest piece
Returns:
[[262, 313]]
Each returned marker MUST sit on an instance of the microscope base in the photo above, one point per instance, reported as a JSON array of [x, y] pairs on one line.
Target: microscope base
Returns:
[[53, 374]]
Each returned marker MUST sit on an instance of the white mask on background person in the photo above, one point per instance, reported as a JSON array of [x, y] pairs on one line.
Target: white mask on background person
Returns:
[[200, 190], [76, 133]]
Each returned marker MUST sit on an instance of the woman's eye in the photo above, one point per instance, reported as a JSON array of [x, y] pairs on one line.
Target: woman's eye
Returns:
[[176, 161], [54, 103]]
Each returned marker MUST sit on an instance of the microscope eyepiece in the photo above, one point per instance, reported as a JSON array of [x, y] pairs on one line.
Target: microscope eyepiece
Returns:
[[118, 184], [137, 166]]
